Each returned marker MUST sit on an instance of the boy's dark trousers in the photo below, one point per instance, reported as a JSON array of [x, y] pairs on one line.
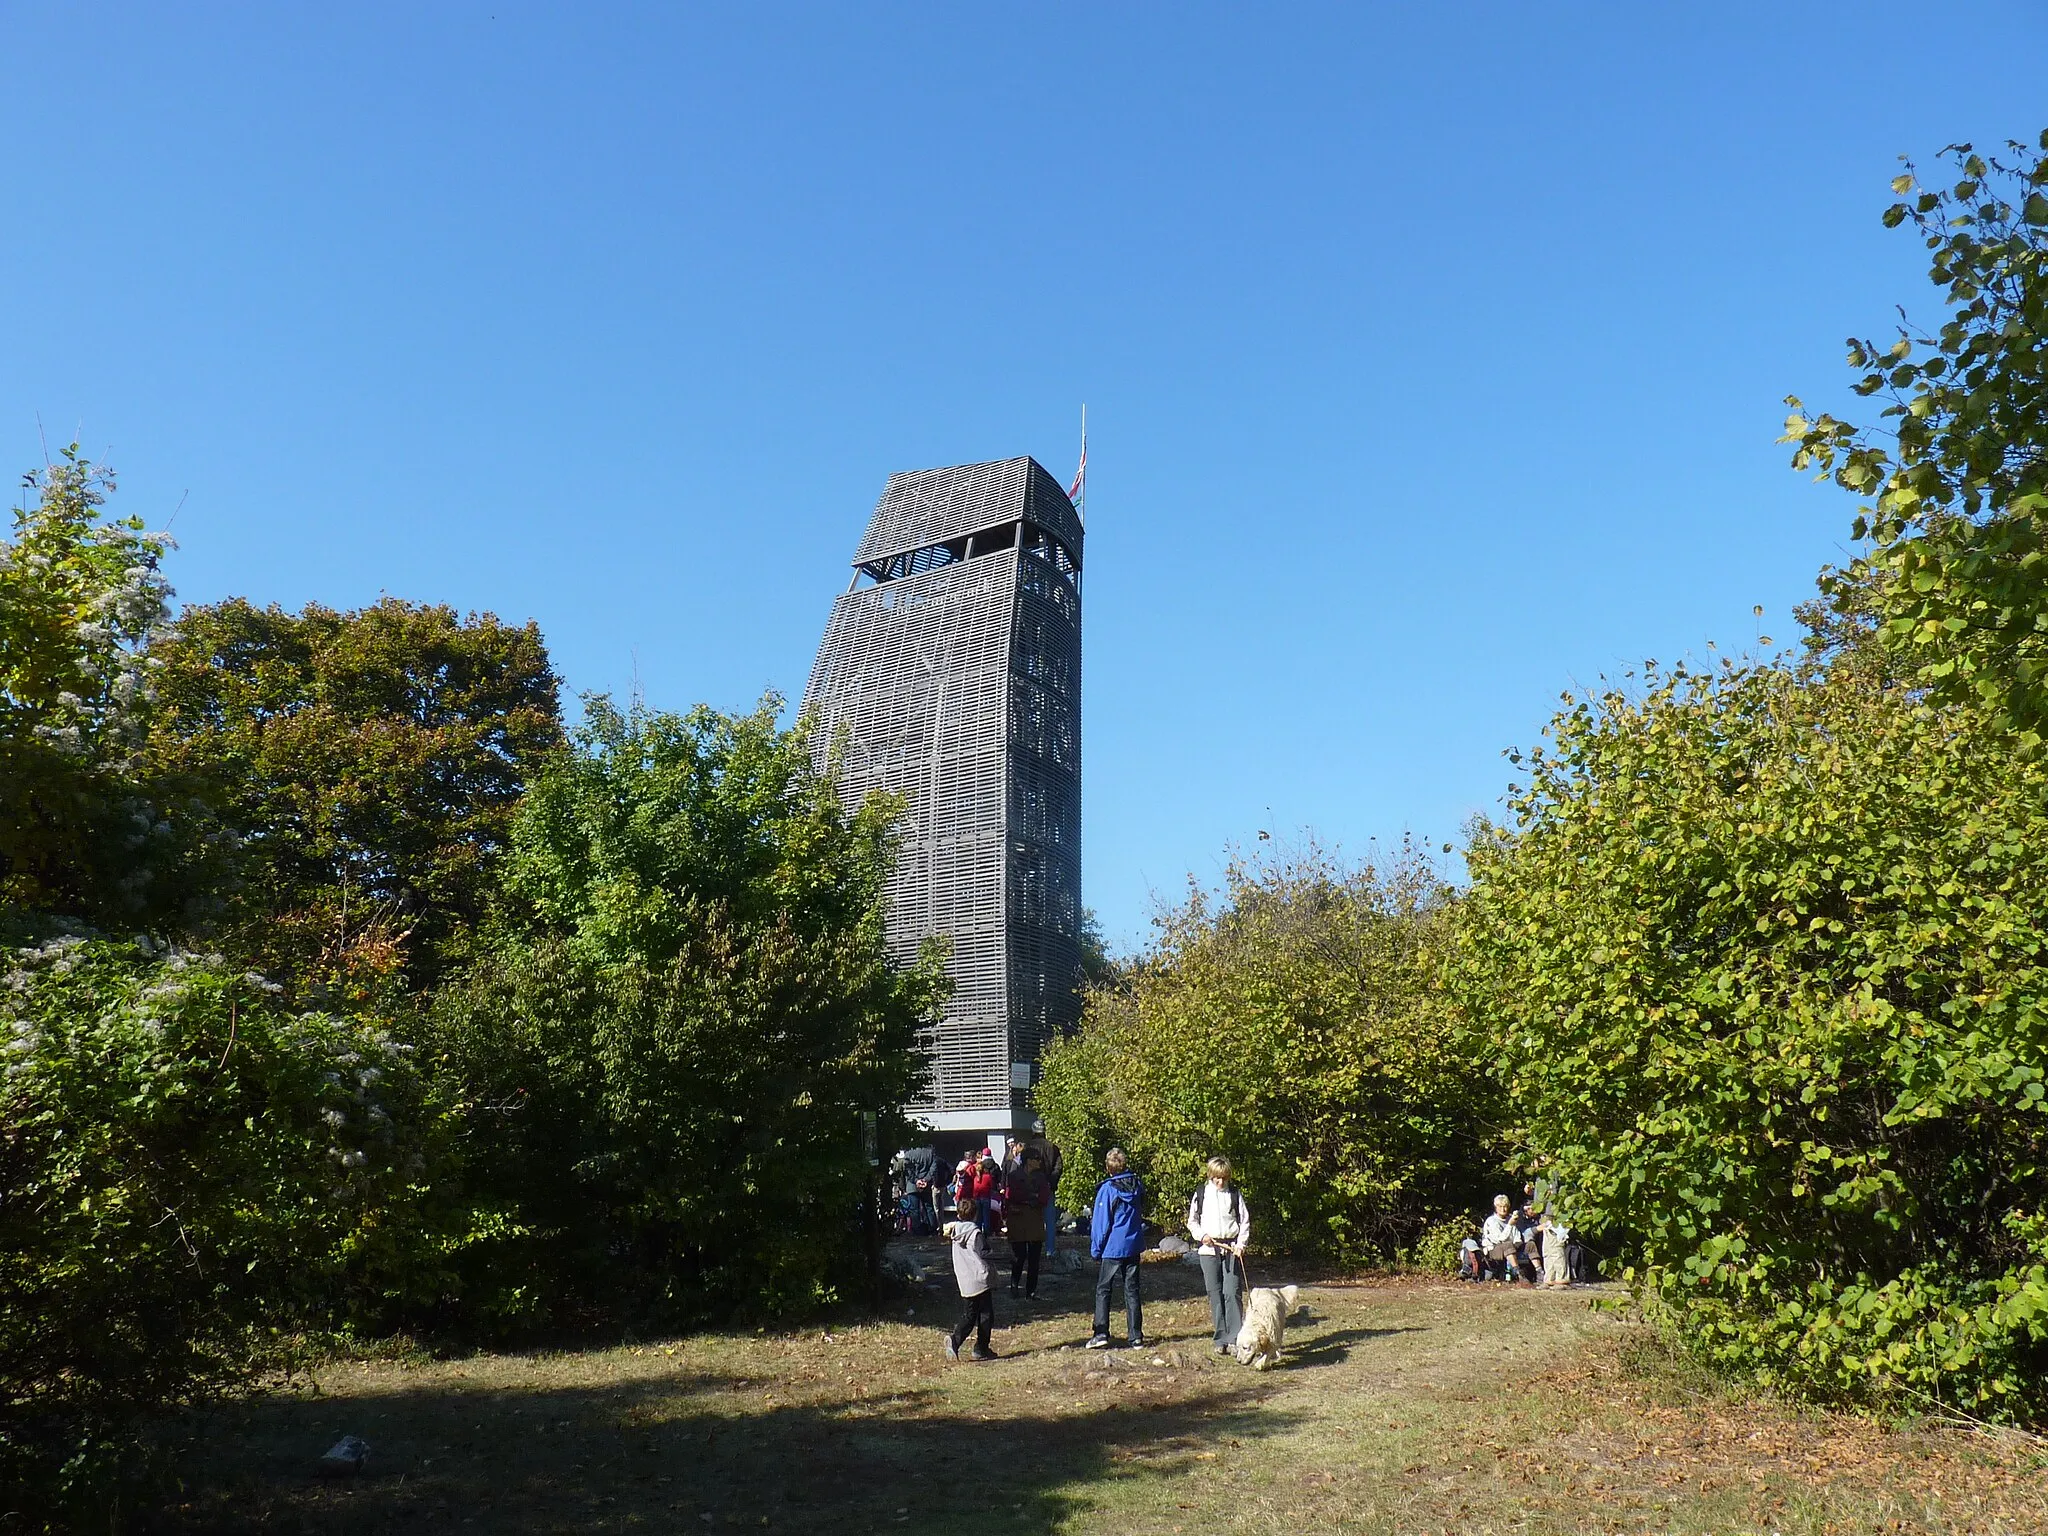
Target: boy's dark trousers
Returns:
[[1134, 1304], [977, 1316]]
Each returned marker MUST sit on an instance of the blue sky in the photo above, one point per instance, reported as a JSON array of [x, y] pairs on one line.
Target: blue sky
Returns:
[[1433, 355]]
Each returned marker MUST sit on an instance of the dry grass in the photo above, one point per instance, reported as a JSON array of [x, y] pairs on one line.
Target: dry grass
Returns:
[[1405, 1407]]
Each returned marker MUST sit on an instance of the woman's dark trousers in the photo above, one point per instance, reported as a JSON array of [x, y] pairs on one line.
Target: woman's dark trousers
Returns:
[[1024, 1262], [1223, 1280], [1134, 1304], [977, 1316]]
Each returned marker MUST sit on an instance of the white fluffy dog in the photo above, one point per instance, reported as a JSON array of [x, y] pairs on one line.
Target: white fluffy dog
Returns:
[[1265, 1326]]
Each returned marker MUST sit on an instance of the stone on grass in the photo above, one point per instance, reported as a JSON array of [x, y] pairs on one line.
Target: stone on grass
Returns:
[[346, 1457]]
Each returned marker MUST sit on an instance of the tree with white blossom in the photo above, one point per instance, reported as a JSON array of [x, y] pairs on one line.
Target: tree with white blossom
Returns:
[[82, 595]]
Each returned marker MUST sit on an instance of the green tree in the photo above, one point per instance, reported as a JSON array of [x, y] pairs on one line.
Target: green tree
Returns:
[[1099, 968], [81, 598], [1295, 1025], [1763, 957], [1956, 490], [679, 1024], [187, 1172], [367, 764]]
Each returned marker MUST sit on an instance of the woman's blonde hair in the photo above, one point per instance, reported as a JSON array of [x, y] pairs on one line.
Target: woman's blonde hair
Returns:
[[1113, 1160], [1219, 1168]]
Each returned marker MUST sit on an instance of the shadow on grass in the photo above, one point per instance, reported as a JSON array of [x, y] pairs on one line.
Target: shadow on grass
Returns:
[[670, 1455], [1334, 1348]]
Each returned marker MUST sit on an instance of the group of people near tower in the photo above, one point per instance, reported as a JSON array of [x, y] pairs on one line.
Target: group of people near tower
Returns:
[[996, 1198], [1013, 1199]]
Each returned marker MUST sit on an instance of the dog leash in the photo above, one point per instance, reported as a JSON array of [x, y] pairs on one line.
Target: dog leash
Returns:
[[1244, 1276]]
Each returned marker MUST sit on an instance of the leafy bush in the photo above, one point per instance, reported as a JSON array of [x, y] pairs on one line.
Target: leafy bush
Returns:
[[1437, 1251], [1073, 1096], [1296, 1026], [671, 1045], [183, 1170], [1765, 959]]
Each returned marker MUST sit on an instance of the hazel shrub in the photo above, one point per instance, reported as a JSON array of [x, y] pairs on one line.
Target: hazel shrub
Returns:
[[1764, 958]]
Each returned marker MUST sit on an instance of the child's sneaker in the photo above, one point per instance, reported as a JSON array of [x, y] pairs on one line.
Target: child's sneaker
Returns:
[[1100, 1341], [1138, 1341]]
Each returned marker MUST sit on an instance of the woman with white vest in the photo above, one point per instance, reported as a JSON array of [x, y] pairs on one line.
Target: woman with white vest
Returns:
[[1221, 1227]]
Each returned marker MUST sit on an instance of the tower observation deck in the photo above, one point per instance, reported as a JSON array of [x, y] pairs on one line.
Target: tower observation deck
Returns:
[[951, 670]]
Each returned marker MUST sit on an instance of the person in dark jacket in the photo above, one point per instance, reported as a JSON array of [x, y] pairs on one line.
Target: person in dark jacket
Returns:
[[924, 1176], [1049, 1159], [1116, 1236], [1026, 1194]]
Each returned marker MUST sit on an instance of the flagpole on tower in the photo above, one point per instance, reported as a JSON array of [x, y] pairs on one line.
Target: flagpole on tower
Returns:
[[1077, 493]]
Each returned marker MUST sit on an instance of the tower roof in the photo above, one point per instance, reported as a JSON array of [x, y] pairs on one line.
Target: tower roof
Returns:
[[930, 506]]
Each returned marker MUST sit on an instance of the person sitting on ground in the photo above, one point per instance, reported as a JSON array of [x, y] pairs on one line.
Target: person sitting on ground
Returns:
[[1222, 1229], [1116, 1236], [1500, 1242], [1529, 1231], [973, 1273], [1471, 1266], [1026, 1194], [1530, 1217]]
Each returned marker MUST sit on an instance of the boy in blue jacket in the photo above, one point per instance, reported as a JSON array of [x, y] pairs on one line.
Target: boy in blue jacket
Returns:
[[1116, 1236]]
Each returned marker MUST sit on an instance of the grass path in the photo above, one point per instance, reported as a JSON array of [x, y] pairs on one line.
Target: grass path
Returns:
[[1404, 1407]]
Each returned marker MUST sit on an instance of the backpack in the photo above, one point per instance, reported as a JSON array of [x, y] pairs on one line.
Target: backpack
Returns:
[[1579, 1263], [1236, 1202]]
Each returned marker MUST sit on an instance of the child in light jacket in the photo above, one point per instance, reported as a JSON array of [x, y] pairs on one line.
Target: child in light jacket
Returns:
[[972, 1270]]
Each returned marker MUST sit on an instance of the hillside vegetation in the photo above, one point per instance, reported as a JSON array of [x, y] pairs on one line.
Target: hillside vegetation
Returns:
[[350, 995]]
